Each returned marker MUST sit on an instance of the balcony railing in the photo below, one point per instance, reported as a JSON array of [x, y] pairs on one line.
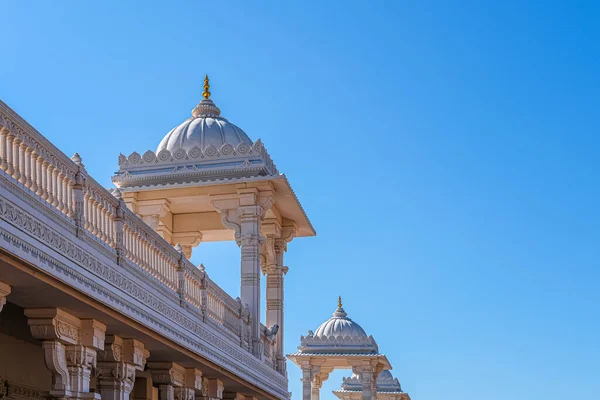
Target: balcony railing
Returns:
[[62, 182]]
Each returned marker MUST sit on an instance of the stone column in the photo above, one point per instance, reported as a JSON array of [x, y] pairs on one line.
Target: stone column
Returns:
[[307, 377], [70, 347], [213, 390], [118, 365], [250, 267], [243, 213], [142, 388], [170, 378], [368, 376], [4, 292], [193, 382], [275, 246]]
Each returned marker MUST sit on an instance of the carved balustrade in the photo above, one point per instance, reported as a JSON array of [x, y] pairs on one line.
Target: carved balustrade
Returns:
[[41, 170]]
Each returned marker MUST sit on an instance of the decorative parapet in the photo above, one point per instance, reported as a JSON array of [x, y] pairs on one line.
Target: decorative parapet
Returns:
[[311, 343], [385, 383], [196, 164]]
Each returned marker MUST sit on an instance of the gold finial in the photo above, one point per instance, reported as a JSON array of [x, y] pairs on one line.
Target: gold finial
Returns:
[[206, 93], [339, 301]]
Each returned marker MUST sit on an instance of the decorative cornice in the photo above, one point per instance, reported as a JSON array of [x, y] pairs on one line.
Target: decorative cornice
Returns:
[[196, 162]]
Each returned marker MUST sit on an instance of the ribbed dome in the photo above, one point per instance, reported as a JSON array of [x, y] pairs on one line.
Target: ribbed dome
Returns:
[[339, 325], [385, 374], [205, 128]]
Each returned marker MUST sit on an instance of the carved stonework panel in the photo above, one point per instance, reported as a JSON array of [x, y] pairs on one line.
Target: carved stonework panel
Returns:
[[167, 373], [54, 324], [10, 390]]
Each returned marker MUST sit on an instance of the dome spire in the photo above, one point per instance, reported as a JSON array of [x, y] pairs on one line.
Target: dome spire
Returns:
[[339, 312], [206, 93], [206, 107]]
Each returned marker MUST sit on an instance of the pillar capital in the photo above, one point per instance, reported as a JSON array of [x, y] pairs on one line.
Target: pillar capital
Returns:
[[70, 349], [118, 365], [4, 292], [167, 373], [212, 389]]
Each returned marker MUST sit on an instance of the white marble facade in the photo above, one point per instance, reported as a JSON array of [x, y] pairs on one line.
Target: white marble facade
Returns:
[[341, 343]]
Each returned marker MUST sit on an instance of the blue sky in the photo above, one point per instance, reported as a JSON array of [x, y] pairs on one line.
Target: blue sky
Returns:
[[446, 152]]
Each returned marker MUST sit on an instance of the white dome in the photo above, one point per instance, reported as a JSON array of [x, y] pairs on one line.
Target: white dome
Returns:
[[385, 374], [206, 128], [339, 325]]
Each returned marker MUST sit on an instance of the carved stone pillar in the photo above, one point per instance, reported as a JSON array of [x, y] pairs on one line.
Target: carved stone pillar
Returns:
[[118, 365], [275, 247], [193, 383], [213, 390], [170, 378], [70, 347], [244, 213], [142, 389], [4, 292], [306, 381], [368, 376]]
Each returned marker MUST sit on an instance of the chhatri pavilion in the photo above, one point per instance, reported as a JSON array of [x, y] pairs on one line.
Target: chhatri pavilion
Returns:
[[342, 343], [99, 299]]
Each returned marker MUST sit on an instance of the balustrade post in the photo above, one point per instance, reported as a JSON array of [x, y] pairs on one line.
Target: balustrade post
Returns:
[[34, 172], [180, 275], [204, 296], [78, 201], [27, 164], [10, 169], [118, 221], [16, 156], [3, 155]]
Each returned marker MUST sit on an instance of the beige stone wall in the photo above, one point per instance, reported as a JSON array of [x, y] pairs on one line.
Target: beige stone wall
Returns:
[[21, 356]]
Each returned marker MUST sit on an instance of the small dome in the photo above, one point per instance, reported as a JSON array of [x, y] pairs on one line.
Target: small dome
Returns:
[[385, 374], [339, 325], [205, 128]]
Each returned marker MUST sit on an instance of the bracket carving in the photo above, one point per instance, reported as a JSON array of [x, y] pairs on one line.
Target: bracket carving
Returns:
[[4, 292]]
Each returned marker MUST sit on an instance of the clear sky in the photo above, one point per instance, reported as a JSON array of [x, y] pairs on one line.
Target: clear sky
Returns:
[[446, 152]]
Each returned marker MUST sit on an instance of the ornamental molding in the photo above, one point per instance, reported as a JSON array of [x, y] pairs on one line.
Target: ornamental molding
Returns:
[[208, 156], [313, 344], [142, 298], [242, 161], [385, 383], [14, 390]]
